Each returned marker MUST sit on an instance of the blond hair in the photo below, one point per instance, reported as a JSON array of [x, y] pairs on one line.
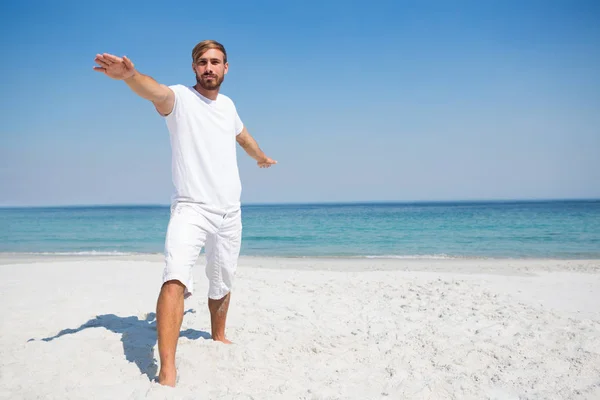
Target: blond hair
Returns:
[[206, 45]]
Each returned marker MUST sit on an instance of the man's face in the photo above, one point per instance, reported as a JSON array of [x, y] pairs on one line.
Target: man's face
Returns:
[[210, 69]]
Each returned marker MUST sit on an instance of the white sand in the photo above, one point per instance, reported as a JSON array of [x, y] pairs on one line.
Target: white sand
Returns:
[[306, 329]]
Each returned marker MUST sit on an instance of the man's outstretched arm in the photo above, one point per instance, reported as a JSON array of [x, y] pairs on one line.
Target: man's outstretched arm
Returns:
[[121, 68], [251, 147]]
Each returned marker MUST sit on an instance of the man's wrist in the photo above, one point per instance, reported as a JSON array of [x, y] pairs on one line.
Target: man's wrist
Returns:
[[131, 77]]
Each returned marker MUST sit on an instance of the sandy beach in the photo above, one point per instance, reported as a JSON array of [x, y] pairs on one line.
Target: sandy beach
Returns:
[[78, 327]]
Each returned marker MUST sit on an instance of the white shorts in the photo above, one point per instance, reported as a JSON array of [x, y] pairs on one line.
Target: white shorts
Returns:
[[192, 227]]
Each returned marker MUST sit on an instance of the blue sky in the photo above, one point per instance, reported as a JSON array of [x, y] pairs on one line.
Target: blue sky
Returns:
[[358, 101]]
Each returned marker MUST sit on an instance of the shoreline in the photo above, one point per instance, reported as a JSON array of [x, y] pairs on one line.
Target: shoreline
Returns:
[[124, 256], [502, 266]]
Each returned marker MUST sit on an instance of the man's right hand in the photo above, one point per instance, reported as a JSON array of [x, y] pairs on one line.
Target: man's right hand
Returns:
[[144, 86], [114, 67]]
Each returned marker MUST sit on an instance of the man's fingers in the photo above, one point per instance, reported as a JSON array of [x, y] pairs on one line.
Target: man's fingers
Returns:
[[103, 58], [112, 59], [267, 163], [100, 69], [101, 62]]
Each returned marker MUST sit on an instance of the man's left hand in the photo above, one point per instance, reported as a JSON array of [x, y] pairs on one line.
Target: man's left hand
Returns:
[[266, 162]]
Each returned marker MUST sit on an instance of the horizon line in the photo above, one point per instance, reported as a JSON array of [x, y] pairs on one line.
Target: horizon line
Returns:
[[308, 203]]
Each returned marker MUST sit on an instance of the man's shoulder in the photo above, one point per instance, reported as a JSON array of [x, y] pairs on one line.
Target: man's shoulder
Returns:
[[178, 87], [226, 100]]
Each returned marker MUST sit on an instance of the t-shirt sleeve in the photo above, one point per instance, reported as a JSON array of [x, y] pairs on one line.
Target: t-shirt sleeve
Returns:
[[177, 93]]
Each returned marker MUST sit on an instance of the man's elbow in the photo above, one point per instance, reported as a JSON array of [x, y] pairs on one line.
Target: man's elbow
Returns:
[[241, 140]]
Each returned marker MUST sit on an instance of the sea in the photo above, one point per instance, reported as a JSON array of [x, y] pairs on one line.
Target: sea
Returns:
[[502, 229]]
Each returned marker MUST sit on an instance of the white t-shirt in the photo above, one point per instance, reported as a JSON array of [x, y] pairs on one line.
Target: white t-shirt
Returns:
[[203, 145]]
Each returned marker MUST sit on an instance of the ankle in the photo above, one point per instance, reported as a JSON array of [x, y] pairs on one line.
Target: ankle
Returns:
[[167, 369]]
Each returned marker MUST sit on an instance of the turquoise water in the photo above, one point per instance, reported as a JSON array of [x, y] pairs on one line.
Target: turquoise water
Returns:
[[556, 229]]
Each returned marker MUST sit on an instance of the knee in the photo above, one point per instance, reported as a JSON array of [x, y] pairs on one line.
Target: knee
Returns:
[[173, 288]]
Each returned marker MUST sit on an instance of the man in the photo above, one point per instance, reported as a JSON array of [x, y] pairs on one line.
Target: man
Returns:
[[204, 127]]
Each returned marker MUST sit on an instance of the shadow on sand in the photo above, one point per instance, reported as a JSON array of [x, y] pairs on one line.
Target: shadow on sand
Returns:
[[137, 335]]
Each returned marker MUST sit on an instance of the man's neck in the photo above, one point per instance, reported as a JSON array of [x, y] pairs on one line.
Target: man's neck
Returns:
[[209, 94]]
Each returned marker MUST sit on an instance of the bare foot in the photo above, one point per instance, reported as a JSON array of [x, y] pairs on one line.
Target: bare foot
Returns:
[[222, 339], [167, 377]]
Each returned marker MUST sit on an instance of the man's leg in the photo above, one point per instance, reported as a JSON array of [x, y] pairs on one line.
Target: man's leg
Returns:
[[218, 317], [185, 238], [222, 251], [169, 316]]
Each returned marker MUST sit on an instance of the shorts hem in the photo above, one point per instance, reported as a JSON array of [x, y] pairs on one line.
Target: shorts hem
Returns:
[[178, 277], [220, 294]]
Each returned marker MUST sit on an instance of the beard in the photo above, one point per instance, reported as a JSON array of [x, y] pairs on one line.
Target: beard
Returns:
[[212, 84]]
